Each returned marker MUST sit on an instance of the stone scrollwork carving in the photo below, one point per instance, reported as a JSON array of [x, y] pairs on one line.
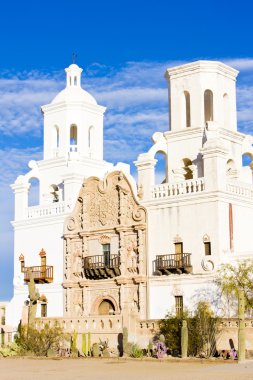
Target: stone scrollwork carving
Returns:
[[104, 239], [71, 224], [106, 212], [109, 203], [207, 264]]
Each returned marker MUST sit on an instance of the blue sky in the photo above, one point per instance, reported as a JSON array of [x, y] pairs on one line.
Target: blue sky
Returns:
[[124, 48]]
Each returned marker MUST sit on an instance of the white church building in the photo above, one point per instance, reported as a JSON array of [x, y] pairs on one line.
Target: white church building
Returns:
[[107, 253]]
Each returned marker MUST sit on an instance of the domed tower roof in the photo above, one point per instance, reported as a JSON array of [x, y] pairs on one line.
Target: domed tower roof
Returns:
[[73, 91]]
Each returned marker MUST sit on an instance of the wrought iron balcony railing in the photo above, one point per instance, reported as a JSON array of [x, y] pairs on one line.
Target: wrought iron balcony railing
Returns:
[[173, 263], [41, 274], [101, 266]]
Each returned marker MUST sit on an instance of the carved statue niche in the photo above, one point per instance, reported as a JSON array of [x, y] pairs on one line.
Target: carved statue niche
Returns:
[[77, 265], [132, 255], [77, 307]]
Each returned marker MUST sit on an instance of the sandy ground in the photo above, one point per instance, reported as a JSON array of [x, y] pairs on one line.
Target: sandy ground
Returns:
[[96, 369]]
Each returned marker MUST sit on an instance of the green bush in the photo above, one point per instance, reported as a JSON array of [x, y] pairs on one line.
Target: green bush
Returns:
[[40, 342], [10, 350], [136, 351], [202, 331]]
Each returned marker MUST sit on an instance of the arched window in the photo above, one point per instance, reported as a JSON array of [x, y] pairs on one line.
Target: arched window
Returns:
[[91, 137], [161, 169], [208, 105], [247, 167], [73, 138], [55, 139], [33, 195], [226, 111], [186, 110]]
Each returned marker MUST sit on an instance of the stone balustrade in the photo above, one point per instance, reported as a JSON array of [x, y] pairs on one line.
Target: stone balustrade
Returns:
[[240, 188], [186, 187], [56, 208]]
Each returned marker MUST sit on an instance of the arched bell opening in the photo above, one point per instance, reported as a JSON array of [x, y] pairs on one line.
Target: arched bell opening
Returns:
[[106, 307]]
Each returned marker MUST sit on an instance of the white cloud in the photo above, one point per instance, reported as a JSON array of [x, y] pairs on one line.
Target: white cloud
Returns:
[[14, 162]]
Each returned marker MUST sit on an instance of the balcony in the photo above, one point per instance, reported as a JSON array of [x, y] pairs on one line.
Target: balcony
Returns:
[[41, 274], [101, 266], [174, 263]]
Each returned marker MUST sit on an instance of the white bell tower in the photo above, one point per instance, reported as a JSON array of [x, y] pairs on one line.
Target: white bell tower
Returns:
[[201, 93], [73, 150], [73, 121]]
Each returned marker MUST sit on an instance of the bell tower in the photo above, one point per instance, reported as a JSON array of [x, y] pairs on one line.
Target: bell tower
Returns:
[[202, 93], [73, 122]]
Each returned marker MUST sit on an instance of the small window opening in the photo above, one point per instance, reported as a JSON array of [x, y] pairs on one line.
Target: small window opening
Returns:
[[44, 309], [107, 254], [179, 306], [73, 138], [208, 105], [187, 109], [207, 245], [179, 248], [75, 81]]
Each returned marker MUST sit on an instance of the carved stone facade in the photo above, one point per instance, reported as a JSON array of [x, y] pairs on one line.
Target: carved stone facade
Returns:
[[105, 252]]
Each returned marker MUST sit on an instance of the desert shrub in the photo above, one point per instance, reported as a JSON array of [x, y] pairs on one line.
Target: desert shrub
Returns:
[[203, 328], [11, 349], [39, 342], [136, 351]]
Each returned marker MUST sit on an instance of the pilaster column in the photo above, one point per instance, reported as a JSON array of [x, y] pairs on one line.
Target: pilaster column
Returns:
[[122, 250], [146, 174], [140, 235], [21, 199], [215, 159], [142, 303]]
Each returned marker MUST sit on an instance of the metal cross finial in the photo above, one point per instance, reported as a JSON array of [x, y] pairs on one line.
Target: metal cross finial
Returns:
[[74, 55]]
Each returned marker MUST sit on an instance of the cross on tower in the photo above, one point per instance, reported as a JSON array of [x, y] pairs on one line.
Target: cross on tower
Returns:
[[74, 55]]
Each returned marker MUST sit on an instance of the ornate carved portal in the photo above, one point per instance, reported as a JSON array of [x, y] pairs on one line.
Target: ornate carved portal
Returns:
[[105, 251]]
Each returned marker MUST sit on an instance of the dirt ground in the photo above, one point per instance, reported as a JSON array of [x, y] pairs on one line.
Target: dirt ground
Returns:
[[96, 369]]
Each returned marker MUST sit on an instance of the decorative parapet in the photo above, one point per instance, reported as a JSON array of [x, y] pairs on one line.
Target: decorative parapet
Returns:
[[239, 188], [109, 324], [41, 211], [169, 190]]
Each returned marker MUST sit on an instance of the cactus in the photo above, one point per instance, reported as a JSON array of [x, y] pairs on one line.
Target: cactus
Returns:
[[241, 330], [33, 296], [150, 348], [84, 345], [125, 339], [184, 339], [73, 345], [95, 350], [89, 344]]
